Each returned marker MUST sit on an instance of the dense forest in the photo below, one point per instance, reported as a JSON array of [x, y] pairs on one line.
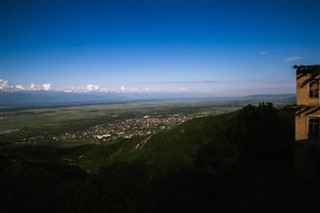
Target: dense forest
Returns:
[[239, 161]]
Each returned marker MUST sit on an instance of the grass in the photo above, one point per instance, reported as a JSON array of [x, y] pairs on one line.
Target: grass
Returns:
[[21, 118]]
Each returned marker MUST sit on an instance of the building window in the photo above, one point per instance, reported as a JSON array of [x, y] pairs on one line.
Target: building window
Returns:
[[314, 88], [314, 127]]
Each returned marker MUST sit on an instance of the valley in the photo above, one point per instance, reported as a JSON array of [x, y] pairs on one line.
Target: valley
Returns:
[[194, 156], [56, 134]]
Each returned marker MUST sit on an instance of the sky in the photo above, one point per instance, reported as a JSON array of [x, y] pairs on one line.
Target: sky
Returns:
[[216, 47]]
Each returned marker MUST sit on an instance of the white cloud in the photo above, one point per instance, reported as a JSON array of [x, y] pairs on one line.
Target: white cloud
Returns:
[[105, 90], [293, 58], [92, 87], [33, 86], [263, 52], [180, 82], [83, 89], [4, 85], [38, 87], [123, 88], [46, 87], [129, 90], [20, 87]]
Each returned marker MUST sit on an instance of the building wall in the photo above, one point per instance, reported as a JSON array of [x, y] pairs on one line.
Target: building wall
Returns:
[[307, 147], [301, 128], [303, 91], [306, 107]]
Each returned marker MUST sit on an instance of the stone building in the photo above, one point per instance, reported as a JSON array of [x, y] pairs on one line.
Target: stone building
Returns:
[[308, 104]]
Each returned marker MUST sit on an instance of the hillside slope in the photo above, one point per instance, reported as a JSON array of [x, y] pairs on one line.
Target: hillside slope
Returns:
[[214, 143], [240, 161]]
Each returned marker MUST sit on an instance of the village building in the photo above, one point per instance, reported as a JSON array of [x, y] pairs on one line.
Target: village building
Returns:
[[307, 118]]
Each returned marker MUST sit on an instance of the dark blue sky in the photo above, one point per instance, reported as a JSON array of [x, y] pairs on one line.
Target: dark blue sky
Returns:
[[219, 47]]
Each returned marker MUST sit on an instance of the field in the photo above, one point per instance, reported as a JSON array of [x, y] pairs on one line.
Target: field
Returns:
[[71, 134], [81, 135], [12, 118], [31, 117]]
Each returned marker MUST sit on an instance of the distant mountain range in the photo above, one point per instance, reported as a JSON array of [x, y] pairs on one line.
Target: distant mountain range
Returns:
[[63, 98]]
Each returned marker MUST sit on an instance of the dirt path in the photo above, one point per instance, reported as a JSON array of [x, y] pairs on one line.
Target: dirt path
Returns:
[[142, 143]]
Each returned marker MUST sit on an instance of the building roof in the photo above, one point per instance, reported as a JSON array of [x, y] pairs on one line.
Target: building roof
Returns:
[[307, 68]]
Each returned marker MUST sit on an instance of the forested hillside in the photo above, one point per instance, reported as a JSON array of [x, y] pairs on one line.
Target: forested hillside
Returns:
[[239, 161]]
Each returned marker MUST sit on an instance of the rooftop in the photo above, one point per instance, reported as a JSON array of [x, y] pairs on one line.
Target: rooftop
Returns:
[[307, 68]]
